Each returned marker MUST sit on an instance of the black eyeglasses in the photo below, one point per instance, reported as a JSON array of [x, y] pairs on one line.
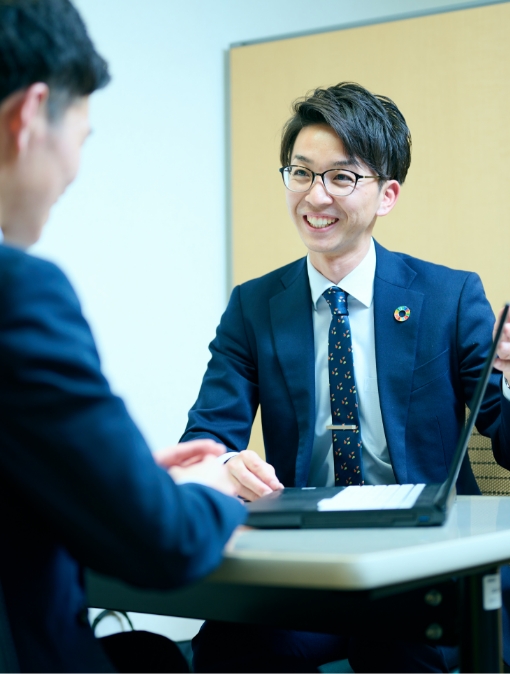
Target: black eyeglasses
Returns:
[[337, 182]]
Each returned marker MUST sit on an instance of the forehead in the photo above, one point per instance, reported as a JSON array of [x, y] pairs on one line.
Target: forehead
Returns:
[[318, 139], [319, 144]]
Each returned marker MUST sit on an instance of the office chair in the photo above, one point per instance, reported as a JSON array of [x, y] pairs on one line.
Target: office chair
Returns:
[[8, 658], [492, 479]]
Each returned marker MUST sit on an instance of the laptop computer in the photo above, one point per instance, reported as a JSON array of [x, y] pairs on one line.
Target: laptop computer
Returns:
[[408, 505]]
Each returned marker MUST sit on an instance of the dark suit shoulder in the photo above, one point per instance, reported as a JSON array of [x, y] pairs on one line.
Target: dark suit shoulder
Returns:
[[275, 281], [407, 271], [71, 453], [41, 316], [14, 259], [426, 267], [22, 274]]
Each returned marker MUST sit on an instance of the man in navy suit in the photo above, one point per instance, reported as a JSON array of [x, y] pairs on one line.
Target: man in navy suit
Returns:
[[78, 484], [420, 334]]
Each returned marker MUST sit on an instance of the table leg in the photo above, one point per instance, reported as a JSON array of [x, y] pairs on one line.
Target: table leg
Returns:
[[481, 632]]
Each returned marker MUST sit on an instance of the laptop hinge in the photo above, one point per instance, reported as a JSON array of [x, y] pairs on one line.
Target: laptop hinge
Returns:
[[443, 500]]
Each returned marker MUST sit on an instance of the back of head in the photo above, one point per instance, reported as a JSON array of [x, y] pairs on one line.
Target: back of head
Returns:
[[46, 41], [371, 127]]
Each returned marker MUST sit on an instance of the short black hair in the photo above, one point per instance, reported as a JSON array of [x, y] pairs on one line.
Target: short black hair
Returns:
[[370, 126], [46, 41]]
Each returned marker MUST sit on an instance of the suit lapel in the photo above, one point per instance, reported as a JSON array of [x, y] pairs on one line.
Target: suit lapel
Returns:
[[395, 349], [291, 322]]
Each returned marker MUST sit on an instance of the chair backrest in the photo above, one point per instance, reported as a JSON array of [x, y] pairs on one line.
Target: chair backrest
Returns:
[[8, 658], [492, 479]]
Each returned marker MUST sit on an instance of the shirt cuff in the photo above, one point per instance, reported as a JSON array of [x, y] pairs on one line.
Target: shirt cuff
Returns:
[[223, 458], [506, 388]]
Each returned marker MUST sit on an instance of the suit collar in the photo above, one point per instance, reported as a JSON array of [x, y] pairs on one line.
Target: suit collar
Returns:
[[395, 345], [359, 283], [291, 321], [292, 272], [395, 349], [392, 268]]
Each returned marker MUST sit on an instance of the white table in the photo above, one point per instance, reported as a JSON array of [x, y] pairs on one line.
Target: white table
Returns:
[[422, 584]]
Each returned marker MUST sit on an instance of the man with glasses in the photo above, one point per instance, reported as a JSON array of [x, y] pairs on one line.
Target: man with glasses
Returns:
[[362, 361]]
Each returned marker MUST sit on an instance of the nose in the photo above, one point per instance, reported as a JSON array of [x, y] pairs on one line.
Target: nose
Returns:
[[317, 195]]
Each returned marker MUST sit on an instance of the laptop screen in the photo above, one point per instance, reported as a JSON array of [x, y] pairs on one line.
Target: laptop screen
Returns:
[[476, 403]]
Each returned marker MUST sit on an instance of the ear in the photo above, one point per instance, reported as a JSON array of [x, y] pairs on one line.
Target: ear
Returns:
[[389, 196], [22, 110]]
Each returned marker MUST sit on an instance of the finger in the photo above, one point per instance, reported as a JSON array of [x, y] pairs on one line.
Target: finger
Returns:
[[191, 451], [506, 327], [503, 366], [247, 479], [205, 463], [243, 491], [208, 472], [504, 350], [502, 362], [175, 473], [198, 458], [187, 452], [263, 470]]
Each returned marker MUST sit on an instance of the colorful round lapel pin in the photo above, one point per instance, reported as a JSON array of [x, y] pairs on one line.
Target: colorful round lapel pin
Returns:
[[402, 314]]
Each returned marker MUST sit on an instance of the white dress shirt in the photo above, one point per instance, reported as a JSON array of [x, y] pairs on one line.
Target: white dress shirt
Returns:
[[360, 286]]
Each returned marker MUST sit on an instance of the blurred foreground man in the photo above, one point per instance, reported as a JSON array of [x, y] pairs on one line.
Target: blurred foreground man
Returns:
[[383, 346], [78, 484]]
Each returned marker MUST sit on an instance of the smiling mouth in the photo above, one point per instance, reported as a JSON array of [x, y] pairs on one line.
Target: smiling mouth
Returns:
[[319, 223]]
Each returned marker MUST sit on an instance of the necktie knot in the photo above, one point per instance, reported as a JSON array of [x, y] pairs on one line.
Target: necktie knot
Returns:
[[337, 300]]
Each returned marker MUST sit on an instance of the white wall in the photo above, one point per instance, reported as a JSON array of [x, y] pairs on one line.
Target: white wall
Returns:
[[146, 249]]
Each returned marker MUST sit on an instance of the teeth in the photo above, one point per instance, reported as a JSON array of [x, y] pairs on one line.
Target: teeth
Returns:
[[320, 222]]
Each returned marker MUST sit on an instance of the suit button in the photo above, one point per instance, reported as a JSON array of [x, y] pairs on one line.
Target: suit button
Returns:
[[83, 616]]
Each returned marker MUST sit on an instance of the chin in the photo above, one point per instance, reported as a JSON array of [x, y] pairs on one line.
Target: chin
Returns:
[[30, 237], [35, 232]]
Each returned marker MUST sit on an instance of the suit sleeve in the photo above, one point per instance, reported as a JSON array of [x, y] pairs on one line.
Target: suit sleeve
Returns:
[[229, 395], [71, 456], [475, 323]]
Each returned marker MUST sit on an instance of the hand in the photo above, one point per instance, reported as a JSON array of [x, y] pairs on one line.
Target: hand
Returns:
[[502, 361], [252, 476], [187, 453], [208, 471]]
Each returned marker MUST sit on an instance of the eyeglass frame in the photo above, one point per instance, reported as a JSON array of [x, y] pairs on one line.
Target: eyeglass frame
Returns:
[[321, 176]]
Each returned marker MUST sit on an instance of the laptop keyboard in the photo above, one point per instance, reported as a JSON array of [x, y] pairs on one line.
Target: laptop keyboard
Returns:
[[373, 497]]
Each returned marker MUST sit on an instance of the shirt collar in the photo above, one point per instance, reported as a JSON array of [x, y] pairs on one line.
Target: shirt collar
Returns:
[[359, 283]]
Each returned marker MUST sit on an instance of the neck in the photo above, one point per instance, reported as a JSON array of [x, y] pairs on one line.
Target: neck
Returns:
[[337, 267]]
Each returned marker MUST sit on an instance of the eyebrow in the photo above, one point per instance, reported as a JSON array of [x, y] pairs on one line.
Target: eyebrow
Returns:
[[342, 162]]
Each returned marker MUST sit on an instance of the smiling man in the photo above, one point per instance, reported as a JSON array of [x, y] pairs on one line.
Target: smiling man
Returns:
[[337, 232], [362, 361]]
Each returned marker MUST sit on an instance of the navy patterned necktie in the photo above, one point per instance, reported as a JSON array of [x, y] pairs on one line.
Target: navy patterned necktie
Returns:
[[344, 399]]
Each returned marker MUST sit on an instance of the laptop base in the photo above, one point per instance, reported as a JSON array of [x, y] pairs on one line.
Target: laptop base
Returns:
[[297, 509]]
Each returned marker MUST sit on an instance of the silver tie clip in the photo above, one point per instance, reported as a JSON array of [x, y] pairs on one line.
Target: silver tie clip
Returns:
[[341, 427]]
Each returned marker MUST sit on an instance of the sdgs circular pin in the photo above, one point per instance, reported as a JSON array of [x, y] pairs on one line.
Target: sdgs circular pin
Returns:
[[402, 314]]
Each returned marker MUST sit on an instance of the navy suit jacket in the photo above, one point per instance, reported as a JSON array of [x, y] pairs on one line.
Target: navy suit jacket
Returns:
[[427, 370], [78, 485]]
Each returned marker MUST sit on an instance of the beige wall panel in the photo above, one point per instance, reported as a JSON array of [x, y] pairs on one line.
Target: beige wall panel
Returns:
[[450, 76]]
